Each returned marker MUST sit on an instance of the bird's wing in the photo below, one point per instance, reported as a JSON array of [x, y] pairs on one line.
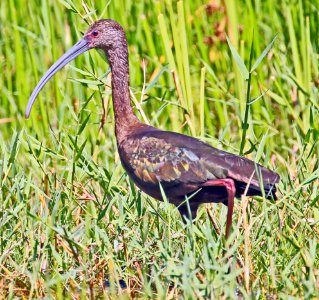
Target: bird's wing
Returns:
[[162, 156], [156, 160], [245, 170], [233, 166]]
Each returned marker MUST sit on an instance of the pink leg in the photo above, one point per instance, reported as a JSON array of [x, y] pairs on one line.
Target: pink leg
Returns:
[[229, 184]]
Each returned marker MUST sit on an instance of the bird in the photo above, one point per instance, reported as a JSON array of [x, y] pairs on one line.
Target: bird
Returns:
[[165, 164]]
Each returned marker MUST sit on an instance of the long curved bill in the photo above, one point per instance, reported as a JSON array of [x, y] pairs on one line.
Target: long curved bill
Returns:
[[80, 47]]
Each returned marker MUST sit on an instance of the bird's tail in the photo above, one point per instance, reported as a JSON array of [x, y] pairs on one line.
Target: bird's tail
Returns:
[[268, 190]]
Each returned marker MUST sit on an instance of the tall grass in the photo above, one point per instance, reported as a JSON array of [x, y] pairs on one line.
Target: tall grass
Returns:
[[70, 218]]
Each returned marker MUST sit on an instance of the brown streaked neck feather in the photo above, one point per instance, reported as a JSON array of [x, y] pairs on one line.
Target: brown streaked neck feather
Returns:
[[125, 119]]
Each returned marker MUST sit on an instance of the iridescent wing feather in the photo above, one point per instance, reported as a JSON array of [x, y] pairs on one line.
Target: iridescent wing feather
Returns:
[[156, 160], [162, 156]]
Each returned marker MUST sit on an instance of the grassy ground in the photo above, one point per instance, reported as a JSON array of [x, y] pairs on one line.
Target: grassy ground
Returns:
[[70, 216]]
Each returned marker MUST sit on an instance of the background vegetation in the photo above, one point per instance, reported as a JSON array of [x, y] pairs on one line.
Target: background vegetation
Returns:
[[69, 215]]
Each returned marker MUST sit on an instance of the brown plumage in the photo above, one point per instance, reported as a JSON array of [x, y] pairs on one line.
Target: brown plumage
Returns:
[[189, 171]]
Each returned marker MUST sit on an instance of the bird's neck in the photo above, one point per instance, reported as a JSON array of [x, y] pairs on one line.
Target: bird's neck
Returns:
[[125, 118]]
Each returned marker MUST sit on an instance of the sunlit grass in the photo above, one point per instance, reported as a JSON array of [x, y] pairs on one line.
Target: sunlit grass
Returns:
[[69, 215]]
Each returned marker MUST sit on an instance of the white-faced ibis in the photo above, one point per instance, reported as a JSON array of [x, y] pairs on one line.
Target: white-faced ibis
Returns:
[[189, 171]]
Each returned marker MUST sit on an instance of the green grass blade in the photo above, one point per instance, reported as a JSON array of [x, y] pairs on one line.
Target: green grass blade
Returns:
[[263, 54], [240, 63]]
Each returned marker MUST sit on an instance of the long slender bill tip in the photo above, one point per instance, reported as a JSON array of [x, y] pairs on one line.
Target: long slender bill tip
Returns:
[[29, 106]]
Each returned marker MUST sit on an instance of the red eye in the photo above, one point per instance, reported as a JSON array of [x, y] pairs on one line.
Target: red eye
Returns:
[[95, 33]]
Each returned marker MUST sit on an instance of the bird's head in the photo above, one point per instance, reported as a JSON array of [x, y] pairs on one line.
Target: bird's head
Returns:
[[105, 34]]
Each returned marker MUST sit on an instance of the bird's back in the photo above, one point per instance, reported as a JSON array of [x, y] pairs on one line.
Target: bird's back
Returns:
[[183, 164]]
